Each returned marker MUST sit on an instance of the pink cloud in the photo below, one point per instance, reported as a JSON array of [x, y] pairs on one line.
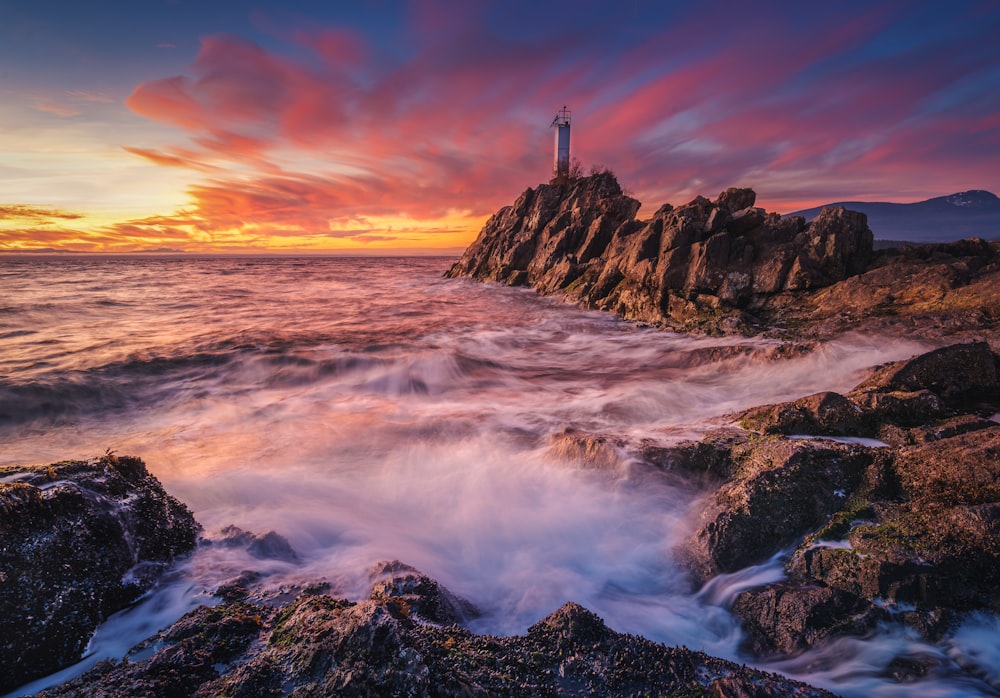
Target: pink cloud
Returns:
[[341, 131]]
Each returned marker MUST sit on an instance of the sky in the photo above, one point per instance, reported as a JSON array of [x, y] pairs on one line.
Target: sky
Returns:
[[398, 127]]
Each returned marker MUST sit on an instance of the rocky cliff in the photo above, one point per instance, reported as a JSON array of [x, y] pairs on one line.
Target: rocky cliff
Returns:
[[725, 265], [706, 257]]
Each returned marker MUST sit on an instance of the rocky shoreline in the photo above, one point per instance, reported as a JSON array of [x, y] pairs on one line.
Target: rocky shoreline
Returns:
[[884, 501], [75, 533], [899, 524], [728, 267]]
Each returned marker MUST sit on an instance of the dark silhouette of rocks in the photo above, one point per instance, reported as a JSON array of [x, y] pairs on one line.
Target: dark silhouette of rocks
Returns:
[[725, 266], [79, 540]]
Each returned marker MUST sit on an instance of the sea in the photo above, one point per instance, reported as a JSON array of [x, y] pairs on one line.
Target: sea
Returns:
[[370, 409]]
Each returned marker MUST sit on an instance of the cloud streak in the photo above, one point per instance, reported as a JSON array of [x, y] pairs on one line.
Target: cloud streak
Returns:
[[34, 214]]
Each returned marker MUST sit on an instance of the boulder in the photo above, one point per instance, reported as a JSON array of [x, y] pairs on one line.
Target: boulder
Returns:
[[79, 540], [790, 617], [955, 373], [824, 413], [780, 491], [406, 590]]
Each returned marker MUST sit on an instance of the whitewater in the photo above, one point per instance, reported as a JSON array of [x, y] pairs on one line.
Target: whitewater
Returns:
[[369, 409]]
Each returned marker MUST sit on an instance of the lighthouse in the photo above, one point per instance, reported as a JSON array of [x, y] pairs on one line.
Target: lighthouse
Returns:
[[561, 125]]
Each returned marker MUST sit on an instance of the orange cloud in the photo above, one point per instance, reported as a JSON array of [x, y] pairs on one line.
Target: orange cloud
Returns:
[[24, 212]]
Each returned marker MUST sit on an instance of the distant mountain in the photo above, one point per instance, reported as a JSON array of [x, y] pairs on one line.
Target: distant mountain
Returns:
[[968, 214]]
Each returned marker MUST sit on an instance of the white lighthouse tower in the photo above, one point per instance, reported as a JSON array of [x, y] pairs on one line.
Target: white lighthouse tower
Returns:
[[561, 124]]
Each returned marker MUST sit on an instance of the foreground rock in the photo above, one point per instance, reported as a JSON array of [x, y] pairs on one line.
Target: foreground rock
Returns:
[[318, 645], [79, 540], [728, 266], [910, 531]]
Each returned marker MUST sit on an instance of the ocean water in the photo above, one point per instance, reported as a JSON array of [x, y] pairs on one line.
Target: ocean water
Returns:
[[369, 409]]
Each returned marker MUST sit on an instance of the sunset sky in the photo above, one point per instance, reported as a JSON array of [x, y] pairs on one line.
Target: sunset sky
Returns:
[[374, 127]]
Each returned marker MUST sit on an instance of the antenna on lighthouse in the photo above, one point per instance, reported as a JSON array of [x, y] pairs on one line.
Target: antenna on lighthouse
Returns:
[[561, 124]]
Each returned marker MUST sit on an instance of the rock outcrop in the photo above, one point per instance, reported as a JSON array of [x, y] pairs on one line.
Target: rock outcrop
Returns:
[[707, 257], [317, 645], [726, 266], [79, 540], [907, 531]]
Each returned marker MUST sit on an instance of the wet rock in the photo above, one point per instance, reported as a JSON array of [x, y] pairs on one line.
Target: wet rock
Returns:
[[912, 526], [781, 490], [825, 413], [707, 463], [599, 451], [792, 616], [79, 540], [930, 542], [407, 590], [955, 373], [268, 546], [317, 645]]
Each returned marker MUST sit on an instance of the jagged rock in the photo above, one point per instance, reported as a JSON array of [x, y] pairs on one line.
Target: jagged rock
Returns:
[[726, 266], [406, 590], [79, 540], [317, 646], [549, 232], [706, 258], [268, 546]]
